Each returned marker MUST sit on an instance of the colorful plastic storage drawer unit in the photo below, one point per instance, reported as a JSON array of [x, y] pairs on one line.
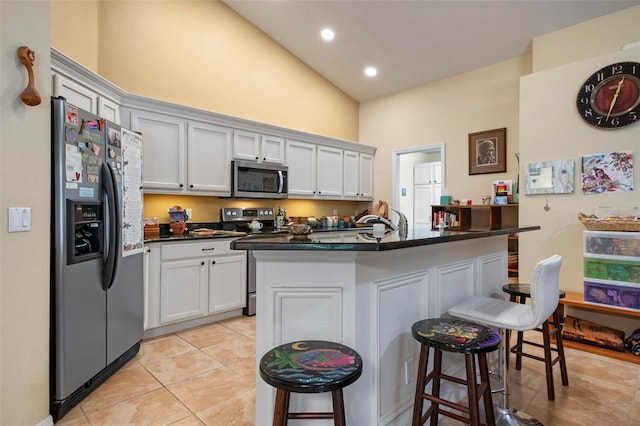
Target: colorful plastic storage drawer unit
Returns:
[[615, 295], [613, 270], [612, 243]]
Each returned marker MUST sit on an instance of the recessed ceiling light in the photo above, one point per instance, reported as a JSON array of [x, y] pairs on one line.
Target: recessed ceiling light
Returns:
[[370, 71], [327, 34]]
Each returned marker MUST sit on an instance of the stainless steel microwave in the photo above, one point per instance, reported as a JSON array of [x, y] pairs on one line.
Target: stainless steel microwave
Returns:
[[259, 180]]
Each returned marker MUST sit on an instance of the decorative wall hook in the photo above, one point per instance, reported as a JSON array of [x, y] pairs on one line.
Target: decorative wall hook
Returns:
[[30, 95]]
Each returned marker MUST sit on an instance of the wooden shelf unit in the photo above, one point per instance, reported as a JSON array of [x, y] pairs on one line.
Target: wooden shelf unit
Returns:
[[483, 217], [576, 300], [477, 217]]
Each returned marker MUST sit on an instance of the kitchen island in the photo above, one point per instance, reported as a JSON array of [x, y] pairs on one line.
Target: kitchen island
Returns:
[[365, 292]]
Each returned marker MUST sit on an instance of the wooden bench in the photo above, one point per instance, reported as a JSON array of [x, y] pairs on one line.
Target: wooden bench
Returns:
[[576, 300]]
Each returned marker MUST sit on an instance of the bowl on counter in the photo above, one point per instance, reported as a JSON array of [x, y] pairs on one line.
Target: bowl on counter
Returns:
[[300, 230]]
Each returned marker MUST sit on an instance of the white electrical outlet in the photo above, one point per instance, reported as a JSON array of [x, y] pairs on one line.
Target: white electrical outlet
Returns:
[[409, 374], [189, 213]]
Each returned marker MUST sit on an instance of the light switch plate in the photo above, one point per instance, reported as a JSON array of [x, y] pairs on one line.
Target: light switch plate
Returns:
[[19, 219]]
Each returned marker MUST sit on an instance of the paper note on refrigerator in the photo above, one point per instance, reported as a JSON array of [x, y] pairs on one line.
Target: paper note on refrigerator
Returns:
[[73, 164], [132, 223]]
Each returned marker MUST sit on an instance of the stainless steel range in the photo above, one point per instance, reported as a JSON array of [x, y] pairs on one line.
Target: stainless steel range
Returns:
[[238, 219]]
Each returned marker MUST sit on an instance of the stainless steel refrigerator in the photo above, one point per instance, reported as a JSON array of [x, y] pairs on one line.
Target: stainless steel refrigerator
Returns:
[[97, 304]]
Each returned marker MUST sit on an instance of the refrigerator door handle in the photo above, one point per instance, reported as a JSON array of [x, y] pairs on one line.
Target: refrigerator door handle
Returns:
[[113, 223]]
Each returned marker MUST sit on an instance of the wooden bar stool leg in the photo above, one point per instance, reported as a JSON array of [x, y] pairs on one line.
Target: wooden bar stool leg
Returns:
[[338, 407], [472, 390], [548, 365], [281, 410], [486, 395], [560, 348], [420, 384], [435, 385]]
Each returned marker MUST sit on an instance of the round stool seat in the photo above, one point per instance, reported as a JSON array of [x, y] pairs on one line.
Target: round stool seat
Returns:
[[524, 290], [455, 335], [310, 366]]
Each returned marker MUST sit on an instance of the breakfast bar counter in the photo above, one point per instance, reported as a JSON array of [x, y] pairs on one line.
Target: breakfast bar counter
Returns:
[[366, 292]]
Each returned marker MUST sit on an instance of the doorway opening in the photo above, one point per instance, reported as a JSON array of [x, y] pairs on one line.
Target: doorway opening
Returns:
[[417, 182]]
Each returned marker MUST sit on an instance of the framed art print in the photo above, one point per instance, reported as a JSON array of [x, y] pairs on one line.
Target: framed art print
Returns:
[[488, 151]]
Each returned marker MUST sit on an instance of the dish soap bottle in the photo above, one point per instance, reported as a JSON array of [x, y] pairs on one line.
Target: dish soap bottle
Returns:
[[280, 219]]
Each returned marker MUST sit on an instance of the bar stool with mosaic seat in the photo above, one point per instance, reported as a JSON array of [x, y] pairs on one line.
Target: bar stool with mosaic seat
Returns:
[[453, 335], [310, 366], [549, 329], [506, 315]]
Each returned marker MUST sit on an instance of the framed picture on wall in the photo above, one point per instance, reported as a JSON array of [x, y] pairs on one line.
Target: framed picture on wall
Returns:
[[488, 151]]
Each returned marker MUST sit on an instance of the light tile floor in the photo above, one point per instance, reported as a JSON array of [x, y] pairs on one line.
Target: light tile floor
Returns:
[[206, 376]]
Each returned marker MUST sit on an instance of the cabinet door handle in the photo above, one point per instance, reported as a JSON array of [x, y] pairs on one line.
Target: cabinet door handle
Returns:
[[181, 186], [257, 158], [213, 262], [191, 186], [202, 263], [208, 249]]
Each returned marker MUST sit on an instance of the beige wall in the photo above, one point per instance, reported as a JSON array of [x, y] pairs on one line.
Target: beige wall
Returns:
[[587, 40], [204, 55], [24, 182], [563, 60], [446, 112], [532, 107], [565, 136], [74, 25]]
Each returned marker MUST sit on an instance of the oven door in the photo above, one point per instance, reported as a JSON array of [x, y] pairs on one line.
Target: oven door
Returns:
[[257, 180]]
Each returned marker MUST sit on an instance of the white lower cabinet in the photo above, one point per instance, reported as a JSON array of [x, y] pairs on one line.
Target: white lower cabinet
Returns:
[[191, 280], [227, 282], [183, 290]]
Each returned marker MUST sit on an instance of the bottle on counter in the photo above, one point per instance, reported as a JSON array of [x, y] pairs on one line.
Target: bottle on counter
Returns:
[[280, 218]]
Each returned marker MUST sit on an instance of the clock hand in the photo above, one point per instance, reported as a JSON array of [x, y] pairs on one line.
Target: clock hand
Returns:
[[615, 96]]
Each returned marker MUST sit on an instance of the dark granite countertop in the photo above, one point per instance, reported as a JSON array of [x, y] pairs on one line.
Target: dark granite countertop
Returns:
[[357, 240], [191, 237], [166, 235]]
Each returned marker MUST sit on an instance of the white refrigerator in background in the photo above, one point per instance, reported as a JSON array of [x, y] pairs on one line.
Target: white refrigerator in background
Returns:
[[97, 304]]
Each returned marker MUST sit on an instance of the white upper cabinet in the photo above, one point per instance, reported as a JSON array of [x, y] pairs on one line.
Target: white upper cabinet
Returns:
[[358, 175], [108, 109], [272, 149], [328, 172], [209, 158], [164, 149], [251, 146], [315, 171], [246, 145], [301, 161], [182, 156], [365, 166], [75, 93], [189, 151], [85, 98]]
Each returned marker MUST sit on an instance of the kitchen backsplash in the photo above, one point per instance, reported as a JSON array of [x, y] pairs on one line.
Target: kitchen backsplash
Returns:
[[207, 209]]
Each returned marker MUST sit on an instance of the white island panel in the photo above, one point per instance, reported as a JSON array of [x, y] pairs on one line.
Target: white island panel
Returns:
[[368, 300]]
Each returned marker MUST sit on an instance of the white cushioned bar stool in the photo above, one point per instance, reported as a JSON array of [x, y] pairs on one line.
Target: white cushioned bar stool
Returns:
[[506, 315]]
